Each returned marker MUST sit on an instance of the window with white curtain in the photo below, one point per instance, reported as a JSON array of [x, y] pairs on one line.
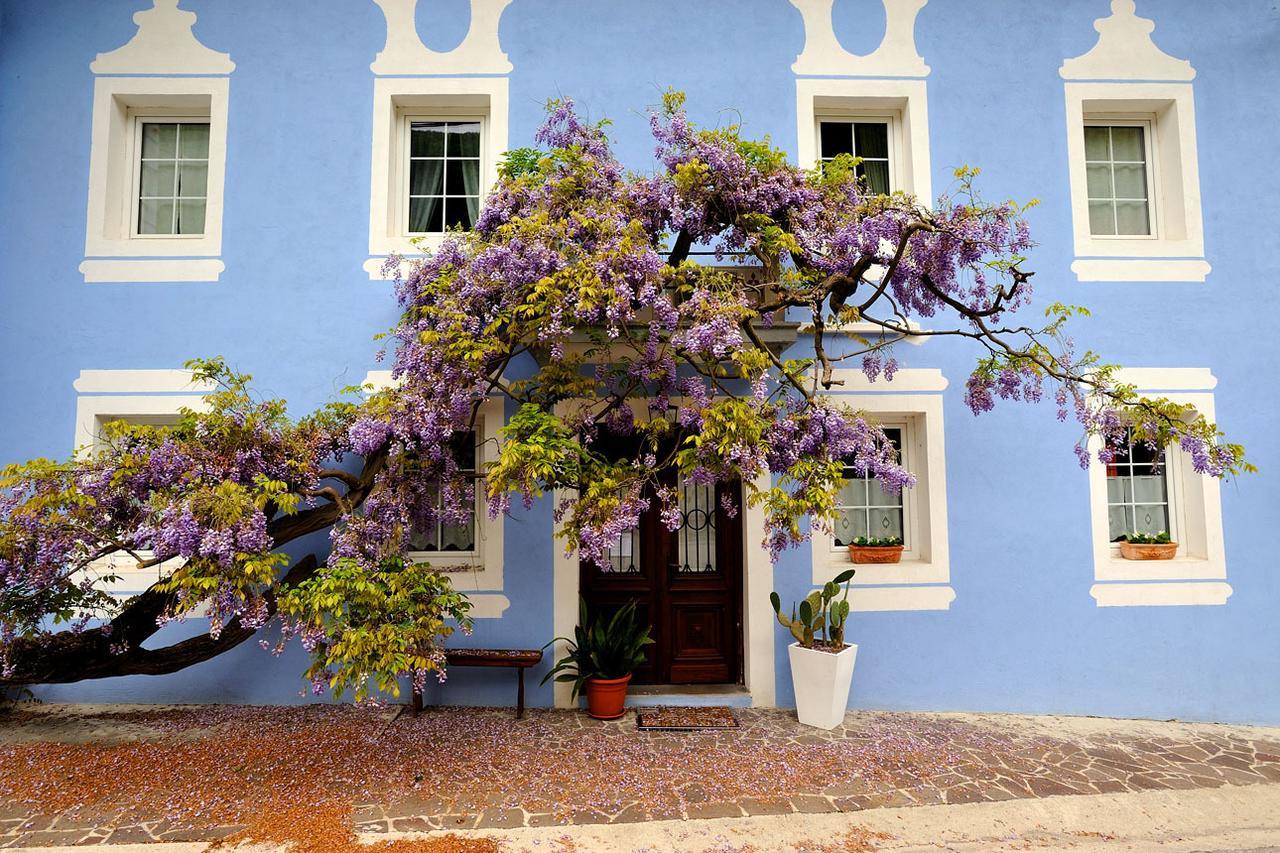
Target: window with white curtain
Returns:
[[442, 538], [173, 177], [1118, 180], [867, 139], [443, 177], [865, 509], [1138, 494]]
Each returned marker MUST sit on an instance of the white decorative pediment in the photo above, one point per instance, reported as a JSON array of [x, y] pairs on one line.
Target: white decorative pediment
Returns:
[[1125, 51], [895, 57], [478, 53], [163, 44]]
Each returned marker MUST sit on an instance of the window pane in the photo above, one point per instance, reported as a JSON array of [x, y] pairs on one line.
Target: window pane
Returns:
[[885, 522], [877, 496], [426, 177], [1131, 180], [854, 492], [193, 141], [1102, 218], [155, 216], [159, 140], [876, 174], [426, 215], [1118, 524], [872, 139], [462, 177], [1131, 218], [464, 140], [458, 211], [190, 216], [458, 538], [850, 524], [1126, 144], [1096, 143], [837, 138], [1099, 180], [1149, 488], [1142, 453], [426, 139], [423, 540], [1150, 519], [157, 178], [193, 178], [1119, 489]]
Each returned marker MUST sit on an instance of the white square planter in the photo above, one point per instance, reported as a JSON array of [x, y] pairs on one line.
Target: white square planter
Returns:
[[821, 681]]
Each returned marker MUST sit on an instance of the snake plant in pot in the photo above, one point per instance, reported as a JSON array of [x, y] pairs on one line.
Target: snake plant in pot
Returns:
[[601, 657], [821, 668]]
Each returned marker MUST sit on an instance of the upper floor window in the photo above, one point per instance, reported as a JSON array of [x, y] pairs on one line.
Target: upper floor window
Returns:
[[173, 177], [866, 509], [867, 139], [443, 178], [1116, 166], [1138, 491]]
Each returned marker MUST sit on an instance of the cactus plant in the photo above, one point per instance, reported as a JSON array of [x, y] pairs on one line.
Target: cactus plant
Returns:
[[820, 611]]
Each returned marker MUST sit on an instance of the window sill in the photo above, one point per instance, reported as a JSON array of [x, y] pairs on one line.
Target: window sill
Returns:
[[1141, 269], [151, 269], [872, 574], [1116, 568], [1174, 594]]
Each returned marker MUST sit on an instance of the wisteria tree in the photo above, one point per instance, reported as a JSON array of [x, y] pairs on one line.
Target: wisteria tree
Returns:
[[592, 269]]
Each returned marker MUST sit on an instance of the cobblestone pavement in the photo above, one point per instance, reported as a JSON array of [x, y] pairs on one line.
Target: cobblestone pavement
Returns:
[[460, 769]]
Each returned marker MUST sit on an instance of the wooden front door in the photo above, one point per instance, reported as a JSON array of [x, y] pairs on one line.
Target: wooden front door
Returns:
[[687, 584]]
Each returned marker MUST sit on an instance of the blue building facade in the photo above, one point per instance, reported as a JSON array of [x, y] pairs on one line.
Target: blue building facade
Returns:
[[228, 178]]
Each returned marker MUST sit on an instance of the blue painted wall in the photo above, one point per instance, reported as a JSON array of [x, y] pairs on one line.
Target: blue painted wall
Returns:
[[294, 307]]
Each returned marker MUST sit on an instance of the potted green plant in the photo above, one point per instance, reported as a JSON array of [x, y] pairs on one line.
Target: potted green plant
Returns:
[[1143, 546], [887, 549], [601, 657], [821, 669]]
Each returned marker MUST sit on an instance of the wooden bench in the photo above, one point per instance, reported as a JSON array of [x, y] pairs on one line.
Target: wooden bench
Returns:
[[517, 659]]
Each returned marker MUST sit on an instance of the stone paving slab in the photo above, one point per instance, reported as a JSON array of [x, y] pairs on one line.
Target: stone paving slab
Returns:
[[461, 769]]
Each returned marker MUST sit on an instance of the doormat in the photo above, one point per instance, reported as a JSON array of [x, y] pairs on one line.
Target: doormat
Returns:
[[685, 718]]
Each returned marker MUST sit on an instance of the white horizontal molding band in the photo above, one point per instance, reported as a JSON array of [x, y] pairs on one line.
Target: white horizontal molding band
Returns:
[[1176, 594], [869, 599], [907, 379], [1141, 269], [1147, 379], [151, 270], [139, 382]]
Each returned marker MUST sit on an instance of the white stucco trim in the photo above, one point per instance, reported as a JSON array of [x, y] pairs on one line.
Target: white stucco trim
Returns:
[[1125, 51], [479, 570], [903, 102], [485, 606], [139, 382], [117, 103], [914, 399], [1175, 249], [396, 98], [479, 52], [93, 410], [1160, 594], [163, 44], [564, 603], [1195, 507], [896, 55]]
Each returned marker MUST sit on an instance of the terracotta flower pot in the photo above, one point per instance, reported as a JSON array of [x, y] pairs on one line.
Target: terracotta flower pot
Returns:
[[875, 553], [1159, 551], [607, 697]]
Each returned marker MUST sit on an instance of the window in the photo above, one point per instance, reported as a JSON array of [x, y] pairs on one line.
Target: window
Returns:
[[443, 177], [909, 409], [865, 509], [1138, 491], [441, 538], [883, 121], [868, 140], [437, 142], [1116, 165], [1147, 489], [173, 177]]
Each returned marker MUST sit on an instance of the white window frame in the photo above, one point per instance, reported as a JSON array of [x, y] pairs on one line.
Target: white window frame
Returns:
[[1197, 573], [114, 251], [904, 103], [146, 396], [404, 130], [396, 102], [1153, 188], [921, 580], [482, 569], [135, 174], [1175, 250], [892, 122]]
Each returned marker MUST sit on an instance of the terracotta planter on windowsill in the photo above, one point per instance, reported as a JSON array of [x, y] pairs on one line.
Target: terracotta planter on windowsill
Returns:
[[1155, 551], [875, 553]]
